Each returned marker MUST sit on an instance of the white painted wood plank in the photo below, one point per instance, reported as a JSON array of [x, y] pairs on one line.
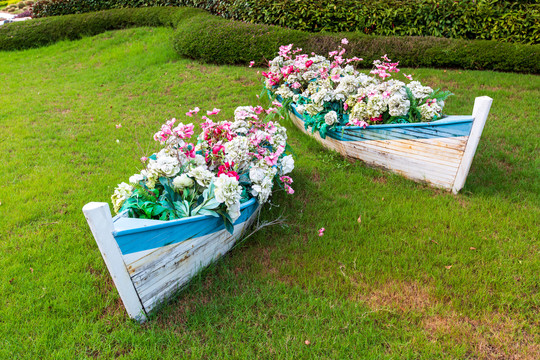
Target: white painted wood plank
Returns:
[[158, 273], [482, 105], [410, 149], [99, 219], [407, 167]]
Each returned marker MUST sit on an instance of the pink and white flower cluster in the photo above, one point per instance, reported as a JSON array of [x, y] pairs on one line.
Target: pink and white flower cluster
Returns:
[[242, 158], [316, 86]]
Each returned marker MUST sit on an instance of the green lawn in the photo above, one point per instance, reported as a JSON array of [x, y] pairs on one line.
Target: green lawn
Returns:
[[424, 275]]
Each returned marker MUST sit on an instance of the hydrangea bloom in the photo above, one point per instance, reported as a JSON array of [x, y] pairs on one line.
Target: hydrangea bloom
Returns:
[[330, 92], [231, 162]]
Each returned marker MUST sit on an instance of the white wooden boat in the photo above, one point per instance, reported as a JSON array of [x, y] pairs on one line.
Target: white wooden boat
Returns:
[[150, 260], [439, 153]]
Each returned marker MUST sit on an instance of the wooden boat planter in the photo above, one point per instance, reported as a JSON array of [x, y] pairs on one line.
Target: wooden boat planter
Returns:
[[150, 260], [439, 153]]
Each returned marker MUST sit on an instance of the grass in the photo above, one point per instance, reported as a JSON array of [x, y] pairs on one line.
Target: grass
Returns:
[[424, 275]]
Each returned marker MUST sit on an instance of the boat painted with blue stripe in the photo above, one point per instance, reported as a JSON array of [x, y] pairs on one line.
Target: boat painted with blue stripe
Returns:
[[150, 260], [439, 153]]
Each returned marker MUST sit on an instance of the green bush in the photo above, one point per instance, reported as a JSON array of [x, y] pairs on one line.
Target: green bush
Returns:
[[517, 21], [43, 31], [202, 36], [220, 41], [216, 40]]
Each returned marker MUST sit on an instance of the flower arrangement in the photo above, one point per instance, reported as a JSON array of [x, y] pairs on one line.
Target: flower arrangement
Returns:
[[331, 93], [231, 162]]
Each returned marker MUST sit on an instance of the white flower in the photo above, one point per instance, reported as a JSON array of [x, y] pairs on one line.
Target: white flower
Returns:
[[234, 211], [228, 191], [284, 91], [244, 112], [375, 106], [256, 174], [151, 176], [287, 164], [199, 160], [182, 181], [419, 91], [237, 151], [263, 189], [121, 193], [429, 112], [300, 109], [398, 105], [313, 109], [330, 118], [165, 164], [202, 175], [135, 179]]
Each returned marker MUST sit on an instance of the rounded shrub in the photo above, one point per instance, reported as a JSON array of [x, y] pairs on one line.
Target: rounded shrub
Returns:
[[213, 39], [220, 41]]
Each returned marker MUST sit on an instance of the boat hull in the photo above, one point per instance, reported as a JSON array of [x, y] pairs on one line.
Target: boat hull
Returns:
[[150, 260], [438, 153]]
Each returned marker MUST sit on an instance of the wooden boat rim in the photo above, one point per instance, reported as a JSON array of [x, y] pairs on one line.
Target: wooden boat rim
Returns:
[[161, 224], [450, 119]]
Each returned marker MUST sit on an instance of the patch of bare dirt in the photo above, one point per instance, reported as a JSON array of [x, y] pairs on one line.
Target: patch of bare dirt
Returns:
[[491, 336]]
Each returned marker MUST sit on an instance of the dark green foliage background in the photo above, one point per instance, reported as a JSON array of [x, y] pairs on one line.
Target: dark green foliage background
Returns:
[[517, 21], [202, 36]]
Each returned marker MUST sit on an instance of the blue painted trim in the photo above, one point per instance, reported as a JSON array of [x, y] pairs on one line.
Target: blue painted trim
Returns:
[[171, 232], [451, 126]]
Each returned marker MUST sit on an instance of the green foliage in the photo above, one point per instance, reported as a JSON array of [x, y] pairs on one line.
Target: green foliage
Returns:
[[200, 35], [166, 203], [216, 40], [468, 19], [44, 31]]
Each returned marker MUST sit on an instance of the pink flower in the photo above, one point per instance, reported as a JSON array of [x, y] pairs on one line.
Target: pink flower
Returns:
[[321, 231], [296, 85], [344, 41], [183, 131], [408, 76], [144, 158], [251, 63], [188, 150], [118, 126], [345, 106], [213, 112], [309, 63], [193, 112], [276, 103], [286, 179], [217, 148], [284, 50]]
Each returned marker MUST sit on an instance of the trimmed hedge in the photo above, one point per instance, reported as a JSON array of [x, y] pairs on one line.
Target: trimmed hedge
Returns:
[[202, 36], [44, 31], [221, 41], [511, 21]]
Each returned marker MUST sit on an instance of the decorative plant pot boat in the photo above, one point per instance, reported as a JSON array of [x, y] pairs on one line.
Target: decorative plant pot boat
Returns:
[[439, 153], [150, 260]]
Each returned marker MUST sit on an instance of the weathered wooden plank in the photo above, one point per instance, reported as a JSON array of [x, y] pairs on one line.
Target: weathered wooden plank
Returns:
[[482, 105], [407, 167], [99, 219], [157, 274], [411, 151]]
